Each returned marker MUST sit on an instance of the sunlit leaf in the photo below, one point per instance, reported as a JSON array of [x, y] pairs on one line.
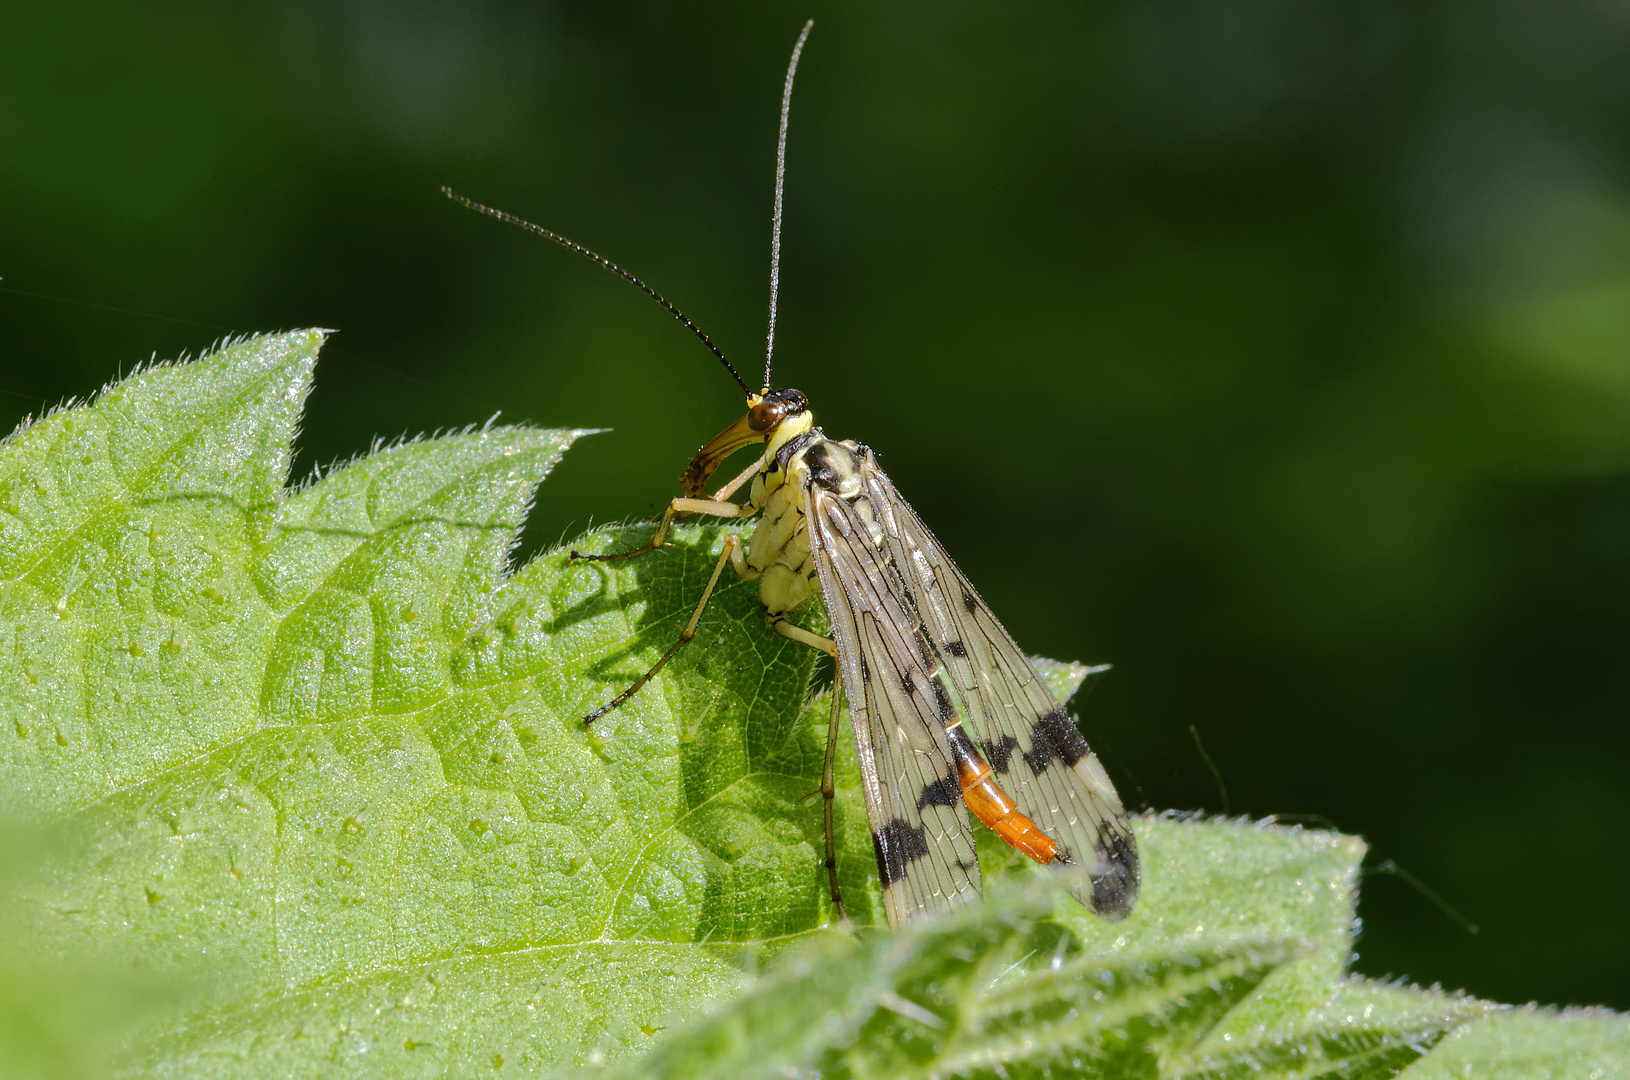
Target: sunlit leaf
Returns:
[[320, 798]]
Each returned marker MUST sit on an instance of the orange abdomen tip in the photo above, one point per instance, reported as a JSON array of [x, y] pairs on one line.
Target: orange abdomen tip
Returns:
[[994, 808]]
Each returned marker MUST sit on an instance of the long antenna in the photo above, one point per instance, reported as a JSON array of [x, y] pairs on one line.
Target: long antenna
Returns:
[[609, 265], [780, 178]]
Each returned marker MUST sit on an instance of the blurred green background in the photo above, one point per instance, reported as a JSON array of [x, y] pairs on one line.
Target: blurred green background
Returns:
[[1277, 351]]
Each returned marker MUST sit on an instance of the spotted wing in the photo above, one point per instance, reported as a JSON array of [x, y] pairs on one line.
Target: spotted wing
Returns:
[[920, 828], [1034, 750]]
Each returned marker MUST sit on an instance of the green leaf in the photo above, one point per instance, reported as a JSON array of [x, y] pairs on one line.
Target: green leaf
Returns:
[[965, 995], [126, 528], [1211, 976], [321, 799], [1528, 1043], [62, 1019]]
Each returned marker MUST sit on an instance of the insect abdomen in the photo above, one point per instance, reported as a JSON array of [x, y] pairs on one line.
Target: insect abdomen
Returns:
[[994, 808]]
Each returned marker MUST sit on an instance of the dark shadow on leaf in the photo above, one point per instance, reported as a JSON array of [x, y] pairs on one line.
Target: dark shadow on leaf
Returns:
[[671, 579]]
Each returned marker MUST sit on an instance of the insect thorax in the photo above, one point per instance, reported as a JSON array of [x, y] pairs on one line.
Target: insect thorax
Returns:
[[780, 548]]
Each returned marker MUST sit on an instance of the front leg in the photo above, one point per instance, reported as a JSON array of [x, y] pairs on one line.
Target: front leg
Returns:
[[719, 508]]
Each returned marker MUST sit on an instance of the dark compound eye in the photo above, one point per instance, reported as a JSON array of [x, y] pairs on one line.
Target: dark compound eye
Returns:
[[775, 407], [766, 414]]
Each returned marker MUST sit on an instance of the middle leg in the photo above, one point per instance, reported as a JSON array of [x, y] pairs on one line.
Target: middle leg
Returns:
[[730, 555]]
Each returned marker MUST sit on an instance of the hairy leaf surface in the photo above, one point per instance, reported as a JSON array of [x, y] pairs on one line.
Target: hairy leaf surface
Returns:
[[318, 798]]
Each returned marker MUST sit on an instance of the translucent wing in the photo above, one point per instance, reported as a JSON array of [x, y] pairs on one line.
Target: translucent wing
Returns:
[[1034, 750], [920, 828]]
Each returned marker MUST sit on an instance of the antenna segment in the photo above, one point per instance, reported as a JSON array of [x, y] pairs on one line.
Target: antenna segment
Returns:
[[780, 177], [619, 271]]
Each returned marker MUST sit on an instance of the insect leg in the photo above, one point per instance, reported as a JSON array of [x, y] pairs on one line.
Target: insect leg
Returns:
[[740, 479], [828, 789], [718, 506], [730, 554], [712, 507], [780, 624], [829, 792]]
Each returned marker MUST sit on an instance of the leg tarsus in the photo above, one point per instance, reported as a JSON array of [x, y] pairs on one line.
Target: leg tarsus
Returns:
[[731, 545], [829, 791], [684, 639], [615, 556], [658, 539]]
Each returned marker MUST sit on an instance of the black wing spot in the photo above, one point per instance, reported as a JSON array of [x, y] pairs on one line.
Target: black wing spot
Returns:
[[1000, 753], [956, 649], [1054, 736], [1042, 751], [900, 842], [1067, 741], [865, 670], [941, 791], [1116, 889], [942, 700], [969, 600]]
